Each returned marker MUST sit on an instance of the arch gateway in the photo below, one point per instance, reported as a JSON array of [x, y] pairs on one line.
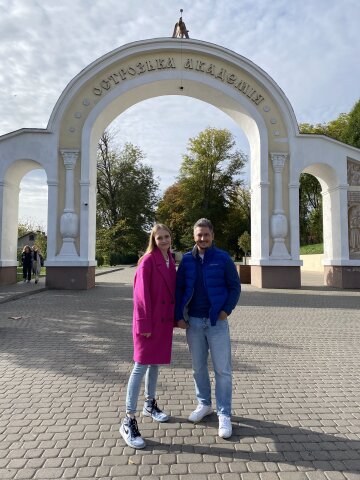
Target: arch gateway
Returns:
[[66, 150]]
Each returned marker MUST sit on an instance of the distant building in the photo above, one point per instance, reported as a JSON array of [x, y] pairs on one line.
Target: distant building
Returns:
[[28, 239]]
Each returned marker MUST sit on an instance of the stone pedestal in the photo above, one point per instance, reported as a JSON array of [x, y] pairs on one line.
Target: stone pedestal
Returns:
[[244, 272], [70, 278], [342, 276], [275, 276], [8, 275]]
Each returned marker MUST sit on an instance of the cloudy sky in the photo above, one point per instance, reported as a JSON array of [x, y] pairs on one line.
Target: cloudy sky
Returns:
[[309, 47]]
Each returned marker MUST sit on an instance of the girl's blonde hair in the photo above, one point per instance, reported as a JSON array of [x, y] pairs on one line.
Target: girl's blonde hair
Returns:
[[152, 244]]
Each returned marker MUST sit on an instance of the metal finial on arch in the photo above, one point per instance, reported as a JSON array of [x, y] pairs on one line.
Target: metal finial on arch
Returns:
[[180, 30]]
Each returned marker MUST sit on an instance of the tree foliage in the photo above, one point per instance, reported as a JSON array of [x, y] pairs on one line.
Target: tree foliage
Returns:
[[126, 197], [336, 129], [310, 210], [353, 129], [207, 186], [345, 128], [244, 243]]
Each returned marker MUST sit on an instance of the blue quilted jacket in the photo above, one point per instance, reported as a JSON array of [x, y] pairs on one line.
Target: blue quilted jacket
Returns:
[[221, 279]]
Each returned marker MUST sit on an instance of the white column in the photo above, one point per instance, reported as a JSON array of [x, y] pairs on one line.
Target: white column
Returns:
[[69, 222], [52, 244], [9, 203], [294, 220], [335, 225], [259, 222], [278, 221]]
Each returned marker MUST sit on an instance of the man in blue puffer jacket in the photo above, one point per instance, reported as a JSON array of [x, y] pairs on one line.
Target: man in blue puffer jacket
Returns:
[[207, 291]]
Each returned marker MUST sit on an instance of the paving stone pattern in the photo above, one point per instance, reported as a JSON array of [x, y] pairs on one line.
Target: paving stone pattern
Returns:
[[65, 358]]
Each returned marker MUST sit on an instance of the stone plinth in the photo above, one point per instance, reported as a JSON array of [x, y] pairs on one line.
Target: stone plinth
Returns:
[[8, 275], [275, 276], [342, 276], [70, 278]]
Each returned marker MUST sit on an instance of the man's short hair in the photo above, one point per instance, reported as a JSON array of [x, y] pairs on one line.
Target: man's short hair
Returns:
[[204, 222]]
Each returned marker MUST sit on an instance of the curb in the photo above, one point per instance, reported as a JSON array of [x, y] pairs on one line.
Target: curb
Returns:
[[22, 294]]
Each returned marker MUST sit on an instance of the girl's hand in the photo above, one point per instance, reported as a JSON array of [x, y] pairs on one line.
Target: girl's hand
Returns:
[[147, 335]]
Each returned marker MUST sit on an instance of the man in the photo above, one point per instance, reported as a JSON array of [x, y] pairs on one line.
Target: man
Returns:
[[207, 290]]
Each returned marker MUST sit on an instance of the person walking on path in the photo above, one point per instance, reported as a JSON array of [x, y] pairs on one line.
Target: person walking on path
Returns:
[[153, 323], [207, 290], [36, 268], [26, 261]]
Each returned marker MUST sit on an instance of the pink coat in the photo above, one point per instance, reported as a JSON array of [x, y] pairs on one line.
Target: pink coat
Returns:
[[154, 304]]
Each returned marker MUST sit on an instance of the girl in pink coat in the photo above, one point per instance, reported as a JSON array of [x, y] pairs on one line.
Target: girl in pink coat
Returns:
[[153, 323]]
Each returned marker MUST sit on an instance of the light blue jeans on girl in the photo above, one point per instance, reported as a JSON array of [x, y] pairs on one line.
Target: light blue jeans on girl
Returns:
[[151, 373]]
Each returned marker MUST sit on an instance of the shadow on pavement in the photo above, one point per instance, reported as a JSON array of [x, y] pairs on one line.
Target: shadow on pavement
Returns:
[[88, 334], [295, 299], [295, 446]]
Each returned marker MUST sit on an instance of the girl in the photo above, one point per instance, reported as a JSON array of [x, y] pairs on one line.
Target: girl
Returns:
[[26, 260], [153, 323]]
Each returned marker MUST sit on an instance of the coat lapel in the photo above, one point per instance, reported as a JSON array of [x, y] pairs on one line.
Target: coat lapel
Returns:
[[168, 274]]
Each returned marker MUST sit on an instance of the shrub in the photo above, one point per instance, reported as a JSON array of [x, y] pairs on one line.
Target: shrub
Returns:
[[100, 260], [117, 258]]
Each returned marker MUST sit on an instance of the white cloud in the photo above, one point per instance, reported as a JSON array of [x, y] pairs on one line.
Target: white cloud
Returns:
[[309, 48], [33, 199]]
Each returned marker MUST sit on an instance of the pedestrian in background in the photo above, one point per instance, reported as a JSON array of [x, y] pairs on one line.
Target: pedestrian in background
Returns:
[[26, 261], [36, 265], [153, 323]]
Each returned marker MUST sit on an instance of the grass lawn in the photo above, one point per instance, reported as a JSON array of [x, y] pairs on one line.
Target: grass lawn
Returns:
[[19, 273], [315, 248]]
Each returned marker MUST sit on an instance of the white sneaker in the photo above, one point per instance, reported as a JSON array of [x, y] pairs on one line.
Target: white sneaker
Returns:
[[200, 412], [225, 427], [130, 433], [152, 410]]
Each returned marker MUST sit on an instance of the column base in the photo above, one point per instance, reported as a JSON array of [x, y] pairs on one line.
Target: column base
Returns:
[[8, 275], [244, 272], [275, 276], [342, 276], [70, 278]]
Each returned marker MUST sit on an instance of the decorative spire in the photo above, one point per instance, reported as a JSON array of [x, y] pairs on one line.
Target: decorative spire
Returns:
[[180, 30]]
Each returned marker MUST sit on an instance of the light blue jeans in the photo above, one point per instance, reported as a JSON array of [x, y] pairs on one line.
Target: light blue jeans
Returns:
[[151, 373], [202, 338]]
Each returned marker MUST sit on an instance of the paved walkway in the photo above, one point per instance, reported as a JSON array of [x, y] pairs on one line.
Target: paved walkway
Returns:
[[65, 358]]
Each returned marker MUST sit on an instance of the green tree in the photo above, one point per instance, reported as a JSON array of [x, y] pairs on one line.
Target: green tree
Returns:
[[337, 129], [238, 220], [244, 243], [172, 211], [345, 128], [310, 210], [207, 186], [353, 126], [126, 197]]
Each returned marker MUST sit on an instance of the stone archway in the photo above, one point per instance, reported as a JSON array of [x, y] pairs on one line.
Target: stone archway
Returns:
[[208, 72]]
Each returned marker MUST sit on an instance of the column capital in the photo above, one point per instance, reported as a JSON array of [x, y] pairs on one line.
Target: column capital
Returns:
[[70, 157], [278, 160]]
